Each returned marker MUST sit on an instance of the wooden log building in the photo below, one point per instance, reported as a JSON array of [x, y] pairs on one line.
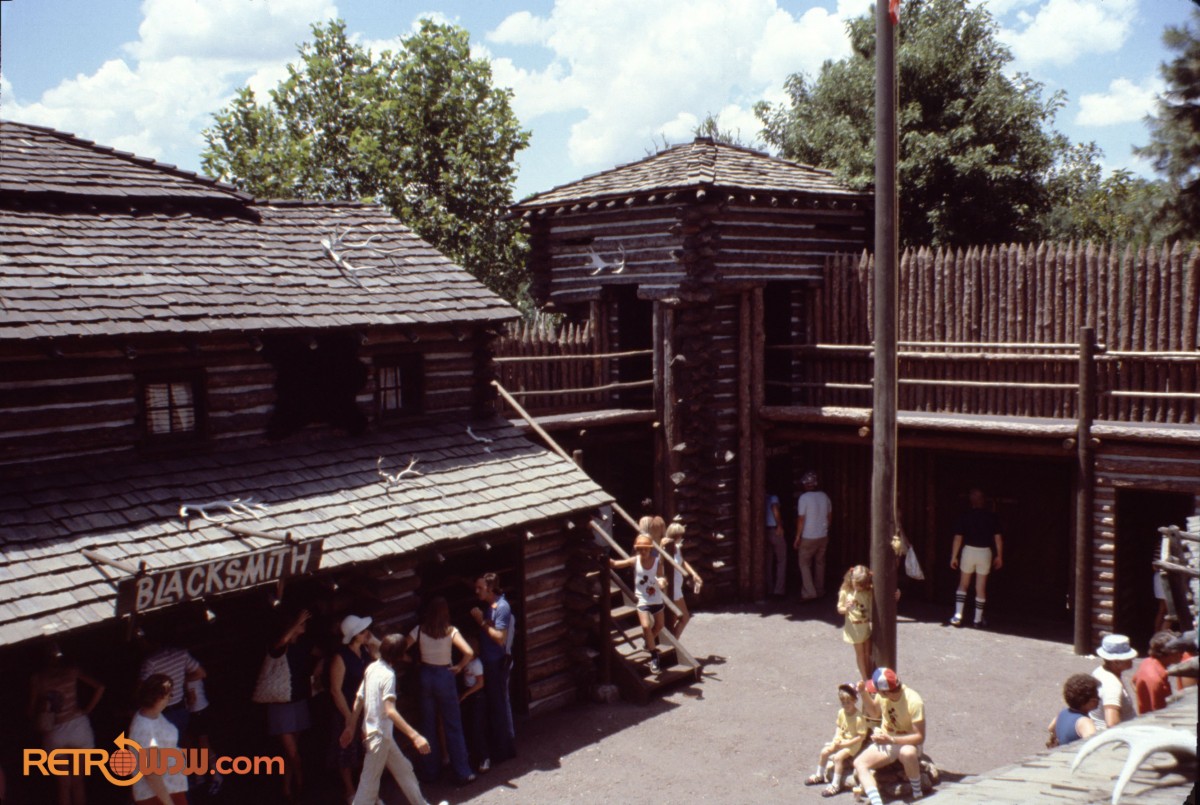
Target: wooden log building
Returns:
[[214, 409], [728, 297]]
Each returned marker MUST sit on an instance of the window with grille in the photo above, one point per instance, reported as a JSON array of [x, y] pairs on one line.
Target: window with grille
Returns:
[[398, 387], [170, 409]]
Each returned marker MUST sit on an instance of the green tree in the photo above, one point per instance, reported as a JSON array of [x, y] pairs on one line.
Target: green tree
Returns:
[[1174, 146], [976, 148], [422, 130]]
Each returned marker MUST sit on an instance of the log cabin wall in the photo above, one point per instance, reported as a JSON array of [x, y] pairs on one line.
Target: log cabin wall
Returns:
[[1120, 555], [707, 449], [568, 249], [757, 243], [79, 401]]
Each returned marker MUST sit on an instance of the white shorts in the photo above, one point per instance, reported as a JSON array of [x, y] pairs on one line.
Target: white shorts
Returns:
[[975, 560], [892, 751]]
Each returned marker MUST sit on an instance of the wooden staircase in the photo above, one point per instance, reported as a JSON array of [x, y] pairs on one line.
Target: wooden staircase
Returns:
[[628, 660]]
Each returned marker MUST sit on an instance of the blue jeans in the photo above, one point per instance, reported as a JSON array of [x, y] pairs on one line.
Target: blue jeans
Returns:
[[439, 697], [501, 737], [474, 710]]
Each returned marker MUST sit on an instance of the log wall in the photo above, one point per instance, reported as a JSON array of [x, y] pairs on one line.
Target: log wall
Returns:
[[706, 383], [1130, 465], [1141, 303], [1136, 299], [79, 401], [756, 244]]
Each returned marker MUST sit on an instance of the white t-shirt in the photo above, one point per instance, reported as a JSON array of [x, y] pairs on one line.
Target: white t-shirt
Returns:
[[815, 507], [1114, 694], [378, 685], [472, 672], [159, 732]]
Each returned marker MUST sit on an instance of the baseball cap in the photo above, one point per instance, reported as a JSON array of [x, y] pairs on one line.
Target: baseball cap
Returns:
[[883, 681]]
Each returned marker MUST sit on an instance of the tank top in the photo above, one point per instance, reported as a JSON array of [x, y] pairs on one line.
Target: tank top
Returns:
[[355, 667], [646, 583], [1064, 725]]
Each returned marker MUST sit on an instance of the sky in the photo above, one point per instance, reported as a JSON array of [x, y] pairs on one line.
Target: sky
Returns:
[[598, 83]]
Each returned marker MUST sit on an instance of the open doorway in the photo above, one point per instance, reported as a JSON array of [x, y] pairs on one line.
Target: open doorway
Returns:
[[1140, 513]]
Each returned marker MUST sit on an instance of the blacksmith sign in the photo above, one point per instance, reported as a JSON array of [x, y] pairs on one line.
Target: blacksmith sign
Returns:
[[162, 588]]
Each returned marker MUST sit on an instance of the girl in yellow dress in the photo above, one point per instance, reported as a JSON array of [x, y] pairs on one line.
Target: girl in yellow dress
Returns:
[[854, 601]]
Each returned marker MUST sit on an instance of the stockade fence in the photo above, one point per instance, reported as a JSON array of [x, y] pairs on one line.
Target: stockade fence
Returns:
[[550, 366], [995, 330]]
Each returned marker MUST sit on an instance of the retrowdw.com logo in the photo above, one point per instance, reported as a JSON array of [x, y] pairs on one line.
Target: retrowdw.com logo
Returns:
[[129, 762]]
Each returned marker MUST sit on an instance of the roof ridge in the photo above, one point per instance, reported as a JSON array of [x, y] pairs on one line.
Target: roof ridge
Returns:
[[128, 156]]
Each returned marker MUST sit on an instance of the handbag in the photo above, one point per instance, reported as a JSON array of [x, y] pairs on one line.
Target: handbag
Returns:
[[274, 684], [913, 567]]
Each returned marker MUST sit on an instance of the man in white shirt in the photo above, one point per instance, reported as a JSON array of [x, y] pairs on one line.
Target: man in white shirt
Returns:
[[814, 513], [376, 699], [1116, 702]]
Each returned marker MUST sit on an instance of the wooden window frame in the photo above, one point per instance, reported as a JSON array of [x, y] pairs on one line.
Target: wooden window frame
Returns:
[[409, 370], [195, 379]]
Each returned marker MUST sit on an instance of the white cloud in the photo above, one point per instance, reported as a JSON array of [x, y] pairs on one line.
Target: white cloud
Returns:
[[637, 71], [1063, 31], [186, 64], [1125, 102], [521, 28]]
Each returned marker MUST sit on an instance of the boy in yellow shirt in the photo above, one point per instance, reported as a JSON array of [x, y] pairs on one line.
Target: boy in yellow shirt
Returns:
[[901, 735]]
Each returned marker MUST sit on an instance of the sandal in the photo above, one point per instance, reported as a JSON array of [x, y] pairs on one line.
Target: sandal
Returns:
[[830, 790], [814, 779]]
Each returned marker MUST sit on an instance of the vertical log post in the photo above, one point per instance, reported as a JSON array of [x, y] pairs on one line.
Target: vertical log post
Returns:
[[670, 425], [758, 478], [1085, 492], [749, 553], [883, 471]]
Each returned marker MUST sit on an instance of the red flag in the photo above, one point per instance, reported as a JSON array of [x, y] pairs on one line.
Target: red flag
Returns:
[[894, 11]]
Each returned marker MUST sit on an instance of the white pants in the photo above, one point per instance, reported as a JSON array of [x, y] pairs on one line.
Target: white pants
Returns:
[[383, 753]]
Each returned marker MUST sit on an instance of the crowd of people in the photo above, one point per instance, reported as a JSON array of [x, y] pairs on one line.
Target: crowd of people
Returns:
[[1103, 699], [465, 714]]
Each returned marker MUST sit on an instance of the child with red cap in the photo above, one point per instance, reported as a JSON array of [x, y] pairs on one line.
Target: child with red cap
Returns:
[[901, 735]]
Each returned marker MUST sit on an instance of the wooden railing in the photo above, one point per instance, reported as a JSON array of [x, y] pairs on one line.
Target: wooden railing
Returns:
[[551, 367], [999, 379]]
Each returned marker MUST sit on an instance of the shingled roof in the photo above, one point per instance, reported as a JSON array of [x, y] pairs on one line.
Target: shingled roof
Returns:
[[96, 242], [701, 164], [329, 489]]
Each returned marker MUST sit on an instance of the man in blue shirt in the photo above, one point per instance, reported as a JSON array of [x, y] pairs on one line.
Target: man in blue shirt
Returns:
[[495, 652]]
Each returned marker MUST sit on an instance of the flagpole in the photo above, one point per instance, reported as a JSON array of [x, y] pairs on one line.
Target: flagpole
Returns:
[[883, 472]]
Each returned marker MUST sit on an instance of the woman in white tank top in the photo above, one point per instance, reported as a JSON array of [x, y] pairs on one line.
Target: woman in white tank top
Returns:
[[648, 587]]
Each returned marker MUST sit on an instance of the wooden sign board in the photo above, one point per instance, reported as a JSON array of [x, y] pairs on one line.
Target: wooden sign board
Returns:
[[176, 585]]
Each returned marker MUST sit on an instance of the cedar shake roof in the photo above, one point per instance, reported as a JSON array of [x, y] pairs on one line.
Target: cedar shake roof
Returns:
[[699, 165], [97, 242], [329, 488]]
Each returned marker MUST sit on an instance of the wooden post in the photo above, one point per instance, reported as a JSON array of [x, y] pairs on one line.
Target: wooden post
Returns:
[[670, 423], [1085, 492], [757, 454], [658, 435], [749, 559], [883, 470]]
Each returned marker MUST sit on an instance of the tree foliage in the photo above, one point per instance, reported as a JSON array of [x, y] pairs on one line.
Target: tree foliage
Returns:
[[421, 130], [1174, 146], [976, 147]]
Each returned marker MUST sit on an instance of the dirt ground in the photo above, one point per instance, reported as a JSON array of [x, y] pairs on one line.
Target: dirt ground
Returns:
[[751, 731]]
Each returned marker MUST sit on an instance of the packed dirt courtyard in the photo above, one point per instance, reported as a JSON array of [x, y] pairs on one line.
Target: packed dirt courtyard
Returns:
[[751, 731]]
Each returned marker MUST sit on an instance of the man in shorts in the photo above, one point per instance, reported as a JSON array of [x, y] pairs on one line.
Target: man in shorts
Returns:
[[975, 533], [901, 735]]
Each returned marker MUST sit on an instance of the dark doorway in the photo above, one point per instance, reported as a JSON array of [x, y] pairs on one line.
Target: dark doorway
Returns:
[[1140, 514], [635, 331], [1034, 502]]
